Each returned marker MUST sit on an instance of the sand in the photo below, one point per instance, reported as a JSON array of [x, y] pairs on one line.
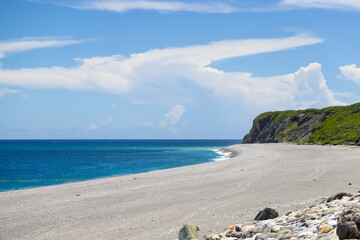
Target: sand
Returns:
[[154, 205]]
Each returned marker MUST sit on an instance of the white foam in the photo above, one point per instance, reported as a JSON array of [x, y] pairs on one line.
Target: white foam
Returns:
[[223, 155]]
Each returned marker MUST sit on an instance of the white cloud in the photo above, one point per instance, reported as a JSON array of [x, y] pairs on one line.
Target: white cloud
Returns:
[[160, 6], [172, 118], [161, 71], [100, 123], [329, 4], [117, 74], [113, 106], [4, 91], [351, 72], [208, 6], [8, 47]]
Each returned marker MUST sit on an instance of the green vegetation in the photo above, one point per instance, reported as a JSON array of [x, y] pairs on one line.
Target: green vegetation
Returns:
[[340, 126], [331, 125]]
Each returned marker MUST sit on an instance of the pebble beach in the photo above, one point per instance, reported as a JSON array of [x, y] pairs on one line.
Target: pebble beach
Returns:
[[155, 205], [334, 218]]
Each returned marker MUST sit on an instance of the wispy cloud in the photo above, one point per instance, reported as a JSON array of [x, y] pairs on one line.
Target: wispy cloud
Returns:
[[25, 44], [207, 7], [93, 126], [4, 91], [160, 6], [328, 4], [161, 71], [173, 117]]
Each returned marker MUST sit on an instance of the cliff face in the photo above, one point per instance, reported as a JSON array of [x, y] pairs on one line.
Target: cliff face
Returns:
[[333, 125]]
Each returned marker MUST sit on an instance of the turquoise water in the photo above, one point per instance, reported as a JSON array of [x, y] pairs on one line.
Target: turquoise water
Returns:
[[34, 163]]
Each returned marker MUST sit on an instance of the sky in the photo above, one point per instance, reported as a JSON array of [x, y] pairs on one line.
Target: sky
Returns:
[[163, 69]]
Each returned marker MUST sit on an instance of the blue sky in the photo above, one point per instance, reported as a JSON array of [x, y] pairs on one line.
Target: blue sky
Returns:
[[170, 69]]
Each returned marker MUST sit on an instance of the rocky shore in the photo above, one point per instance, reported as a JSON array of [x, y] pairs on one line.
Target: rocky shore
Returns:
[[337, 217]]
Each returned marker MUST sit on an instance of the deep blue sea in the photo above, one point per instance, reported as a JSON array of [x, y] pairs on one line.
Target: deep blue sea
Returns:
[[33, 163]]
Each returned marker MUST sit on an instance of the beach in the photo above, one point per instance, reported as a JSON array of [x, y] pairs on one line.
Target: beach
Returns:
[[155, 205]]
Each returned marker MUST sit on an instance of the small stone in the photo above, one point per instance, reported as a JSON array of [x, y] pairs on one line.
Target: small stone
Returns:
[[331, 236], [284, 234], [306, 235], [238, 228], [325, 229], [188, 231], [213, 237], [350, 183], [267, 213], [237, 234]]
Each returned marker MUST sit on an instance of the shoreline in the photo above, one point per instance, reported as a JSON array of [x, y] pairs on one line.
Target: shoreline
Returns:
[[222, 152], [156, 204]]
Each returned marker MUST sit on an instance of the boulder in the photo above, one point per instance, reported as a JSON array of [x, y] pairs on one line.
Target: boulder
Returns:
[[349, 223], [267, 213], [188, 231], [339, 195]]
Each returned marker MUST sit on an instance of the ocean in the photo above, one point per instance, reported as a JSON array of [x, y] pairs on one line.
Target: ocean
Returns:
[[34, 163]]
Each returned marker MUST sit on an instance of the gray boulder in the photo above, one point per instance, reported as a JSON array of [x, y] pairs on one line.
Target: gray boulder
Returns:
[[349, 223], [267, 213], [188, 231]]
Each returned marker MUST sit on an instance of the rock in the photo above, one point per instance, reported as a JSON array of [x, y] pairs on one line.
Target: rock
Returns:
[[331, 236], [237, 234], [250, 231], [238, 228], [284, 234], [325, 229], [349, 223], [267, 213], [188, 231], [213, 237], [337, 196], [306, 235]]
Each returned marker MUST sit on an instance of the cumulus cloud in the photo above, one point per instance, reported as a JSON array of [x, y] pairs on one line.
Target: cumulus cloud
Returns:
[[118, 74], [329, 4], [24, 44], [173, 117], [351, 72], [4, 91], [100, 123], [160, 6], [163, 70]]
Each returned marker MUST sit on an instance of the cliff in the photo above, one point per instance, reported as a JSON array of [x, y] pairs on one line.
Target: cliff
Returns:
[[332, 125]]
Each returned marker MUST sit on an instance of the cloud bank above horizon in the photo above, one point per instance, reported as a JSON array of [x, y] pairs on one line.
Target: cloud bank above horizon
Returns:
[[162, 70]]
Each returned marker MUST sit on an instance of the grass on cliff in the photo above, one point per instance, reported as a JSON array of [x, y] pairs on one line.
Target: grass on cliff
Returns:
[[340, 126]]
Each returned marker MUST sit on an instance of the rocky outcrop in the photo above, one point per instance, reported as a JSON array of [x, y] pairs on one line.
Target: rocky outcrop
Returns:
[[332, 125], [274, 128]]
